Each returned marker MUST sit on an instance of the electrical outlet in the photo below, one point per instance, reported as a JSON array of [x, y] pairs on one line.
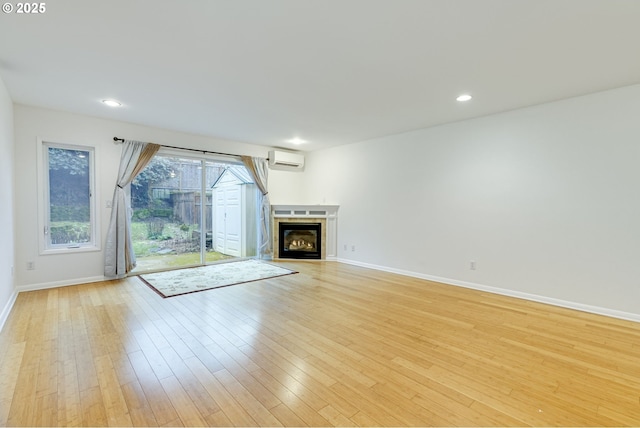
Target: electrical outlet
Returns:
[[353, 248], [31, 265], [345, 247], [472, 265], [108, 204]]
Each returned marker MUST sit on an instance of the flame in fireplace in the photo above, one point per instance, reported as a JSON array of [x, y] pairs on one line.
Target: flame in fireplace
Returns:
[[301, 240], [301, 244]]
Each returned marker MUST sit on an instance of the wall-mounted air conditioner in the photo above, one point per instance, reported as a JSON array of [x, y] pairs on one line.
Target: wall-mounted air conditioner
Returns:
[[285, 160]]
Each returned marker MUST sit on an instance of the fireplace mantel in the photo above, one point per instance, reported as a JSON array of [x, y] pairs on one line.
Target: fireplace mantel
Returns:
[[327, 213]]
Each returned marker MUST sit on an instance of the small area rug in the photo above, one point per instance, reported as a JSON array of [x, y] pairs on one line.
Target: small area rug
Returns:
[[191, 280]]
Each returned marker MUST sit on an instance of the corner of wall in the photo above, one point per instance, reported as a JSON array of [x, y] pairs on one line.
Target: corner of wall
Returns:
[[8, 291], [4, 315]]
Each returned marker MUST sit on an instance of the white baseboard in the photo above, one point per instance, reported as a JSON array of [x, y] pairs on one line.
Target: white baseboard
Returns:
[[4, 315], [55, 284], [328, 259], [503, 291]]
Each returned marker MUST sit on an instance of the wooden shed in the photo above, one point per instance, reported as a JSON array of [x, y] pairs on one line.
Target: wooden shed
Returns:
[[234, 213]]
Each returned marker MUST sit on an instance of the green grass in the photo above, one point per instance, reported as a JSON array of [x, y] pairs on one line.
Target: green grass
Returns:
[[176, 260], [144, 246], [146, 249]]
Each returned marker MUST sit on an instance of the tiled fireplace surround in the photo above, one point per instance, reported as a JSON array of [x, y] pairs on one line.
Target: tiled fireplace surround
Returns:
[[326, 215]]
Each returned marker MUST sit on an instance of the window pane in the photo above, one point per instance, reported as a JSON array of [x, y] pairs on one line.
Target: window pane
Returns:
[[172, 203], [69, 196]]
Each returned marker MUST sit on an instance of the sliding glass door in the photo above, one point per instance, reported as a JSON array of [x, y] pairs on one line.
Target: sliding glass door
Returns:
[[176, 217]]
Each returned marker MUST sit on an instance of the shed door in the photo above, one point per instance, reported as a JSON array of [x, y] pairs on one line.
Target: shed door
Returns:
[[228, 221]]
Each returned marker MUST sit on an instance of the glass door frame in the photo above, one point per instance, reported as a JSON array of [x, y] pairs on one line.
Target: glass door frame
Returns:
[[204, 159]]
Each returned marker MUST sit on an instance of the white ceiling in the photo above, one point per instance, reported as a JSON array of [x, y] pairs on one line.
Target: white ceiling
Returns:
[[327, 71]]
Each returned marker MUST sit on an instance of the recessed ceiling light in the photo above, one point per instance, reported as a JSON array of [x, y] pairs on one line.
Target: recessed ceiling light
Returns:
[[296, 141], [112, 103], [464, 97]]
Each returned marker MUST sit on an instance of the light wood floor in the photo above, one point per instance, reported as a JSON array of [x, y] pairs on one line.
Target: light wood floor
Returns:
[[332, 345]]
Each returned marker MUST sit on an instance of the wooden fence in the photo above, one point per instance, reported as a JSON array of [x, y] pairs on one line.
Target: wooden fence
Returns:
[[186, 208]]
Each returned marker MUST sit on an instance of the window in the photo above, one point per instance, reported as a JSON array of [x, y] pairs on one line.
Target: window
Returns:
[[191, 210], [68, 217]]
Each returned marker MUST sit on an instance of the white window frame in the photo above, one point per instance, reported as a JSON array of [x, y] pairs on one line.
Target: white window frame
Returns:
[[44, 205]]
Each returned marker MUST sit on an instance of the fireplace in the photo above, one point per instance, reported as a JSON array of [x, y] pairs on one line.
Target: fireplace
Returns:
[[326, 215], [300, 240]]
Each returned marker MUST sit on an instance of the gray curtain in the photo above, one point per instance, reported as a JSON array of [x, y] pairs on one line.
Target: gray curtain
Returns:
[[119, 258], [259, 170]]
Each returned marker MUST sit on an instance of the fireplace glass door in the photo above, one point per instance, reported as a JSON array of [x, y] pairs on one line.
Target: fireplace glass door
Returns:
[[300, 240]]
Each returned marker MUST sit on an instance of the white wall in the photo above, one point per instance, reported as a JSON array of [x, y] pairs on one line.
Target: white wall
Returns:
[[51, 125], [7, 288], [545, 200]]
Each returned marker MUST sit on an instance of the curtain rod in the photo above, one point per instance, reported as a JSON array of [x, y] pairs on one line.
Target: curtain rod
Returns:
[[121, 140]]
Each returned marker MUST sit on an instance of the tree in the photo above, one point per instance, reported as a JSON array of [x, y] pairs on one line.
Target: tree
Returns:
[[72, 162], [157, 171], [69, 184]]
